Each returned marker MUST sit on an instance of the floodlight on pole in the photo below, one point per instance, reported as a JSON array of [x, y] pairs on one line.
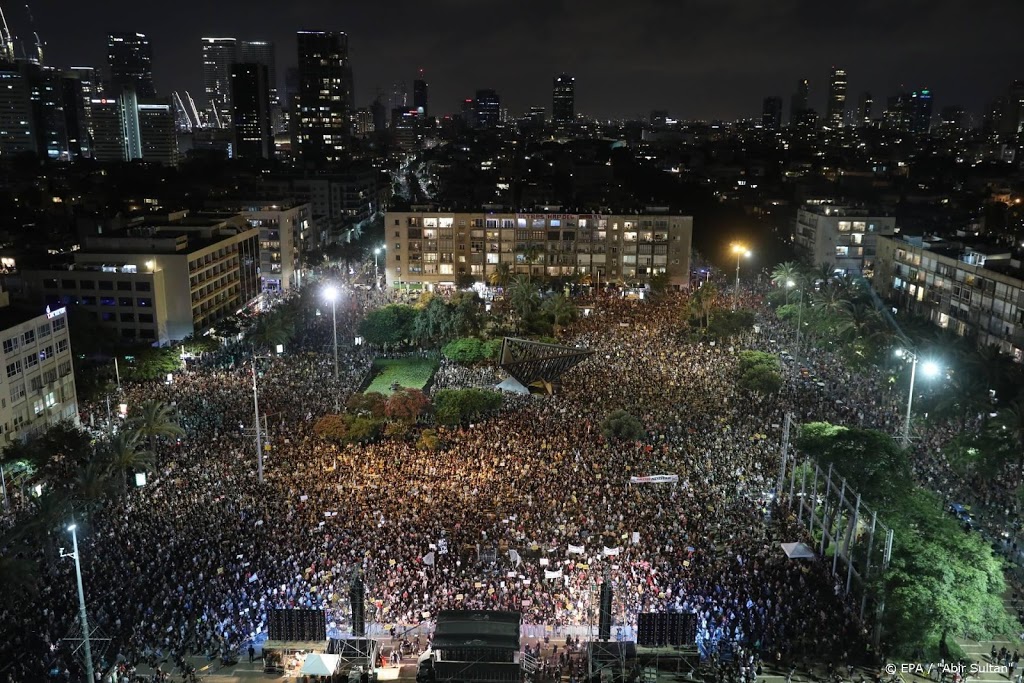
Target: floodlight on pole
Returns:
[[741, 251], [790, 284], [86, 645], [930, 369], [331, 294]]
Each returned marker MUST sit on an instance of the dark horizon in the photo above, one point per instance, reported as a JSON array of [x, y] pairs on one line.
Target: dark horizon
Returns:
[[698, 60]]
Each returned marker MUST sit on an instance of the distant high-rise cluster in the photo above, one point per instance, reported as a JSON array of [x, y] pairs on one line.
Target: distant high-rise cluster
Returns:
[[563, 99], [836, 98]]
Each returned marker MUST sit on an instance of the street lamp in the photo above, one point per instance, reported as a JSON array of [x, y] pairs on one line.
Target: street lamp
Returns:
[[86, 647], [741, 252], [799, 313], [331, 294], [376, 253], [930, 369]]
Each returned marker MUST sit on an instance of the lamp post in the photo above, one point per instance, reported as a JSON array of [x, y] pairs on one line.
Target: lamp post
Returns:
[[799, 314], [376, 276], [740, 251], [930, 369], [331, 294], [256, 410], [86, 647]]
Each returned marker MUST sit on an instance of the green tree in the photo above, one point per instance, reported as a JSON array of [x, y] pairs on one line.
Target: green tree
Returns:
[[724, 324], [371, 403], [467, 313], [787, 272], [152, 363], [272, 329], [155, 419], [464, 350], [523, 298], [389, 325], [1010, 422], [560, 311], [428, 441], [500, 276], [456, 406], [761, 380], [659, 283], [124, 453], [621, 425]]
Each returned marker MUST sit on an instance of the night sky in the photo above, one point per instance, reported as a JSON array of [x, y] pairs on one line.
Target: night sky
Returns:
[[698, 59]]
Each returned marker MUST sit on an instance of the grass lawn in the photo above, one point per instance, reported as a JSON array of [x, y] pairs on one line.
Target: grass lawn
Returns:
[[411, 373]]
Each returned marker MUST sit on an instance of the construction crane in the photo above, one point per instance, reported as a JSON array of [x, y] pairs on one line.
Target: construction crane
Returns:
[[6, 39], [39, 48], [195, 112], [181, 117]]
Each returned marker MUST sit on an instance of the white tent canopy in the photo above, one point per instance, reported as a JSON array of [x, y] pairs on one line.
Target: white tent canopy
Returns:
[[797, 551], [512, 386], [320, 665]]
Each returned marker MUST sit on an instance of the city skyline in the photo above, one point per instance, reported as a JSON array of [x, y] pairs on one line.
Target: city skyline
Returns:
[[695, 73]]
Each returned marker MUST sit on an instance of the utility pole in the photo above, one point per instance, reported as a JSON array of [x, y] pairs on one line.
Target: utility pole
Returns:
[[86, 646], [117, 373], [256, 409], [783, 455]]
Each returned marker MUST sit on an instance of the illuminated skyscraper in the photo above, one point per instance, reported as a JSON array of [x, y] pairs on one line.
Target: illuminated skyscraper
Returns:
[[563, 99], [325, 96], [219, 54], [250, 89], [864, 109], [419, 95], [836, 98], [921, 112], [130, 58], [487, 108], [771, 113]]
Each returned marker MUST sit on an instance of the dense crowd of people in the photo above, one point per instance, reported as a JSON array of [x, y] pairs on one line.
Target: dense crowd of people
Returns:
[[527, 510]]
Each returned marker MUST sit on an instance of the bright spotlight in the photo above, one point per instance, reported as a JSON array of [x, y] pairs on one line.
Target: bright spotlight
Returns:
[[72, 527], [930, 368], [331, 293]]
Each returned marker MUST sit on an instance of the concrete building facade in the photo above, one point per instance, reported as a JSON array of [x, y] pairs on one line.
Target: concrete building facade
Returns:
[[976, 292], [157, 284], [38, 379], [842, 236], [433, 248]]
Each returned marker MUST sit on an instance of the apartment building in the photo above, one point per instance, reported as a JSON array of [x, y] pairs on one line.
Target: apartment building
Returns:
[[844, 237], [157, 284], [976, 291], [286, 231], [38, 380], [433, 248]]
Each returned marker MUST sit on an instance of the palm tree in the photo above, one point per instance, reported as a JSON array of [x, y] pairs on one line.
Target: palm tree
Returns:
[[272, 329], [90, 485], [560, 310], [531, 253], [787, 272], [499, 277], [154, 420], [523, 297], [124, 453]]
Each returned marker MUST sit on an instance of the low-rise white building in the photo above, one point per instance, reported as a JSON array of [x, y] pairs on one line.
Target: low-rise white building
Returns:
[[844, 237], [38, 379]]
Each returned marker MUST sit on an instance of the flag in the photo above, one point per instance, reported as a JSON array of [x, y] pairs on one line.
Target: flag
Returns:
[[608, 552], [636, 537], [553, 575], [252, 578], [428, 559], [577, 549], [514, 556]]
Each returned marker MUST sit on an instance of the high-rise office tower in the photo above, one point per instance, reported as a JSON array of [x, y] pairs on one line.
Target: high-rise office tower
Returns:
[[92, 89], [219, 54], [419, 95], [263, 52], [771, 113], [380, 115], [920, 112], [836, 98], [800, 101], [250, 97], [107, 131], [563, 99], [130, 58], [898, 113], [16, 130], [325, 96], [1012, 117], [864, 107], [487, 108], [158, 138]]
